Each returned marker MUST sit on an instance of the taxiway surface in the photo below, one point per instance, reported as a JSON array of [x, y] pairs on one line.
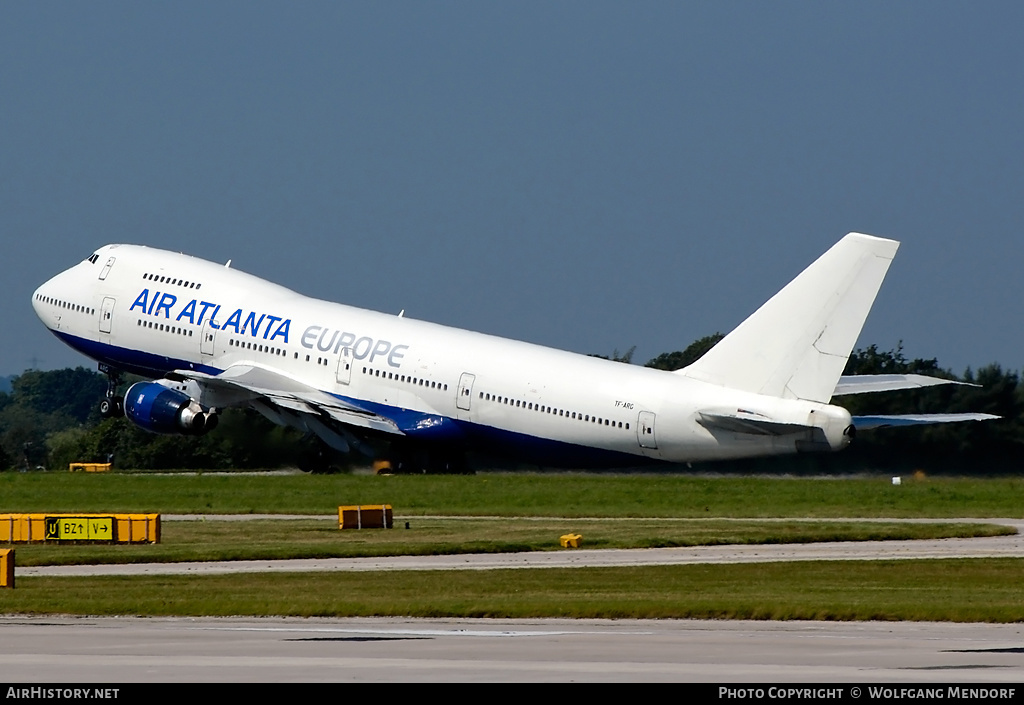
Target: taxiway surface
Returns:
[[1011, 546]]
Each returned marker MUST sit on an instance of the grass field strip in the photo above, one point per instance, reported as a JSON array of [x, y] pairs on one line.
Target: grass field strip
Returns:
[[654, 547], [1016, 522]]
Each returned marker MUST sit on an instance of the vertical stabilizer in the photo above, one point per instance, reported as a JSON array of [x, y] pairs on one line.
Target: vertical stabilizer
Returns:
[[796, 345]]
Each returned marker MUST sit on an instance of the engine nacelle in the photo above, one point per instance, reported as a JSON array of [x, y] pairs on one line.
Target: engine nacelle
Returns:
[[156, 408]]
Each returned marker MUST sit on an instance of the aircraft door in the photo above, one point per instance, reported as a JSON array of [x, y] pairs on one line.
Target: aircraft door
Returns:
[[465, 391], [106, 269], [106, 314], [645, 430], [344, 372], [207, 338]]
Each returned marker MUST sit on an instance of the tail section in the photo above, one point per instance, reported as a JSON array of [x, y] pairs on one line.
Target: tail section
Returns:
[[796, 345]]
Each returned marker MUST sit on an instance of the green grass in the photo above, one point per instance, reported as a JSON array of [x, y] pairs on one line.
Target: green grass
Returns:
[[516, 494], [527, 512], [979, 590], [308, 538]]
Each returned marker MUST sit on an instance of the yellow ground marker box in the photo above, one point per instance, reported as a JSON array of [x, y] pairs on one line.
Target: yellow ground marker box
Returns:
[[571, 540], [103, 528], [89, 467], [7, 568], [365, 516]]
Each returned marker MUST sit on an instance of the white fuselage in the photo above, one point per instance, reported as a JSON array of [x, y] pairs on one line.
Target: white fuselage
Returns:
[[153, 312]]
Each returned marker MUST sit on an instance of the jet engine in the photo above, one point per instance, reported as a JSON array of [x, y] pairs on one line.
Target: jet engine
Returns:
[[159, 409]]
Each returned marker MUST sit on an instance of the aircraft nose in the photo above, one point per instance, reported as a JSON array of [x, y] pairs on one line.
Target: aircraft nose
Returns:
[[37, 300], [44, 301]]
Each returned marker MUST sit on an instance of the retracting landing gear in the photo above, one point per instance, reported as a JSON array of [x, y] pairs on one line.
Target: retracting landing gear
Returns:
[[405, 458], [112, 405], [319, 458]]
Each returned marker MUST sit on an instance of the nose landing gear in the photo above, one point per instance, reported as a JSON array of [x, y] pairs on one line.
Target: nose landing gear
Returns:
[[112, 405]]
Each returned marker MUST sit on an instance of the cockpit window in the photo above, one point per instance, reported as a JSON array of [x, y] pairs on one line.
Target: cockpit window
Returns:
[[93, 258]]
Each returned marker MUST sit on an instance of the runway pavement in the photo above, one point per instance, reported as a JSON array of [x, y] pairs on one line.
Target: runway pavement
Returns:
[[126, 650]]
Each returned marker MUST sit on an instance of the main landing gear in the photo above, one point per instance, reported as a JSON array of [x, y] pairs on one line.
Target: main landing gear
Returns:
[[112, 405], [406, 459], [319, 458]]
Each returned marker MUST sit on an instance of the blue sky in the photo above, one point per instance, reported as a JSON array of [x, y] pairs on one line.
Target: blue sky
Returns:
[[585, 175]]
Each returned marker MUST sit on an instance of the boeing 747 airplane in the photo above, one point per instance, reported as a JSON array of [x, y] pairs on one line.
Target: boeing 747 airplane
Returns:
[[214, 337]]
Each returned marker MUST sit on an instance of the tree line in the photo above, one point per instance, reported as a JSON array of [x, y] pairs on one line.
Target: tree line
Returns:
[[49, 419]]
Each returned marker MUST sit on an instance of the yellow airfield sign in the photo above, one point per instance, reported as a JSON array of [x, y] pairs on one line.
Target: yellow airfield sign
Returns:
[[69, 528]]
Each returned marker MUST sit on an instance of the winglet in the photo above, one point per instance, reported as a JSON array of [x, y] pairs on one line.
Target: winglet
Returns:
[[796, 345]]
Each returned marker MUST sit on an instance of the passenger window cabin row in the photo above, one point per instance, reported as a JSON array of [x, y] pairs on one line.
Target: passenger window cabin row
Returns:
[[163, 279], [66, 305], [163, 327], [405, 379], [554, 411]]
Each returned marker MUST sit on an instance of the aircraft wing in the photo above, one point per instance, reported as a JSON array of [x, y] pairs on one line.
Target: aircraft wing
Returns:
[[256, 385], [865, 384], [886, 421]]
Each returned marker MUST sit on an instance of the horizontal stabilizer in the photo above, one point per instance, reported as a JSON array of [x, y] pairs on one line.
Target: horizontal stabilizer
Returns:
[[865, 384], [885, 421], [748, 422]]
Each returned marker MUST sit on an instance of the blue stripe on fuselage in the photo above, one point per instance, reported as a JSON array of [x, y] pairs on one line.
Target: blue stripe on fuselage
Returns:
[[440, 430], [134, 361], [431, 429]]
